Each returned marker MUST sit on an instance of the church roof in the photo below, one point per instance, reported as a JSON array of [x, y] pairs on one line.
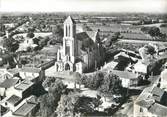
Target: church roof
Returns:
[[87, 42], [92, 34], [70, 20], [82, 36]]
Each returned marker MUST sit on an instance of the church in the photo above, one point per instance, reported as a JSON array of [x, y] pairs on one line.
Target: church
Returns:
[[80, 52]]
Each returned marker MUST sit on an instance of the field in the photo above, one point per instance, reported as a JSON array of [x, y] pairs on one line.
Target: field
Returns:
[[36, 34], [116, 28]]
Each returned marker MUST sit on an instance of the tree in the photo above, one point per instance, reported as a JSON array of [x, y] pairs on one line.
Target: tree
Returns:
[[150, 49], [43, 41], [112, 38], [112, 84], [57, 32], [67, 105], [30, 35], [94, 81], [73, 105], [10, 44], [36, 41], [49, 101], [152, 31]]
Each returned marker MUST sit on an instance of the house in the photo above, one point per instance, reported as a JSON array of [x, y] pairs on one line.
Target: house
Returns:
[[124, 60], [6, 86], [140, 68], [151, 102], [32, 74], [19, 107], [80, 51], [128, 79], [12, 102], [163, 82], [23, 89]]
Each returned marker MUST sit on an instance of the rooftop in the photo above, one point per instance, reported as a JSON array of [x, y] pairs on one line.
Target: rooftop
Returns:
[[14, 100], [24, 85], [124, 74], [9, 83], [157, 93], [24, 109], [145, 103], [30, 69], [149, 98], [158, 109]]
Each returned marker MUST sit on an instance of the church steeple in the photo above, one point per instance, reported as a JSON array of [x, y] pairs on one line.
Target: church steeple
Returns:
[[69, 27], [69, 41]]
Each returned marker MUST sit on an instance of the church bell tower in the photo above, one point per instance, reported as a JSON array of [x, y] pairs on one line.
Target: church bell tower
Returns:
[[69, 41]]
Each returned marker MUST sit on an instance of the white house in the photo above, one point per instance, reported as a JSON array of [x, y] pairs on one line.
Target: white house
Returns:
[[128, 79]]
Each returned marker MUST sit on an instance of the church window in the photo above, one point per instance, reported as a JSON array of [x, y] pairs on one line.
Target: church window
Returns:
[[69, 31], [66, 31], [68, 50], [59, 56], [67, 66]]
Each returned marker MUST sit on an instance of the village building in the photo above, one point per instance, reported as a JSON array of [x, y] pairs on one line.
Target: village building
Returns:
[[32, 74], [80, 51], [151, 103], [128, 79], [140, 68], [163, 81], [19, 107]]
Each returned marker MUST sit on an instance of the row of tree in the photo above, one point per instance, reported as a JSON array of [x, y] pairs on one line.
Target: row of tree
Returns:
[[105, 83], [154, 32]]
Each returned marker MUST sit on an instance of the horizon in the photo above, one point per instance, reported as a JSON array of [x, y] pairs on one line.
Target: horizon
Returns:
[[84, 6]]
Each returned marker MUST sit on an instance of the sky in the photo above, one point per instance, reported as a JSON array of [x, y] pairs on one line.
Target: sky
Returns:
[[146, 6]]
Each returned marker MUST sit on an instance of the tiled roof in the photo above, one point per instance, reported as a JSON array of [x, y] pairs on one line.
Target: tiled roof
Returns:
[[24, 109], [158, 109], [30, 69], [145, 103], [14, 100], [82, 36], [148, 99], [87, 42], [91, 34], [9, 83], [157, 93], [124, 74], [24, 85]]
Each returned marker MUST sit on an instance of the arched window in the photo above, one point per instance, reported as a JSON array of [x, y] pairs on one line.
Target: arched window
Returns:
[[69, 31], [67, 66], [66, 31]]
